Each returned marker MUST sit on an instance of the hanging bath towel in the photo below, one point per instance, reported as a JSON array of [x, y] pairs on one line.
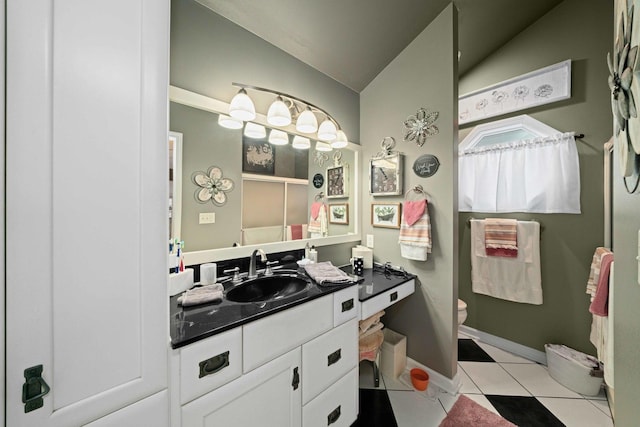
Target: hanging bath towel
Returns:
[[415, 230], [318, 225], [515, 279]]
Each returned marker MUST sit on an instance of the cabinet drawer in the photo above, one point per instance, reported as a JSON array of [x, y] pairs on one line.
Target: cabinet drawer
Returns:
[[267, 338], [345, 305], [390, 297], [335, 407], [327, 358], [210, 363]]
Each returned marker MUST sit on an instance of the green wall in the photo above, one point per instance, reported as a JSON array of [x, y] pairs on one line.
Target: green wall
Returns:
[[424, 74], [582, 34]]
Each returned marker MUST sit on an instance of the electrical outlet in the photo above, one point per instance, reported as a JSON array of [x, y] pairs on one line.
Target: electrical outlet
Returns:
[[207, 218], [370, 241]]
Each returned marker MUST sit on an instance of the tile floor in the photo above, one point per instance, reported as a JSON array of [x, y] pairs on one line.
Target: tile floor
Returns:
[[518, 389]]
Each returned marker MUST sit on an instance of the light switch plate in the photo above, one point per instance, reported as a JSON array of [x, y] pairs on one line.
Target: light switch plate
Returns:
[[207, 218], [370, 241]]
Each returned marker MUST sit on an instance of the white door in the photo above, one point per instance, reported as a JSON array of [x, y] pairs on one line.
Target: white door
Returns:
[[86, 201]]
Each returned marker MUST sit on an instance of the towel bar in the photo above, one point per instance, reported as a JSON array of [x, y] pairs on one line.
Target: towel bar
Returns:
[[480, 219]]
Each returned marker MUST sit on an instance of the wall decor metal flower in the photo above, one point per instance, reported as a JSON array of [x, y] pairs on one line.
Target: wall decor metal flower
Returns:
[[622, 68], [213, 187], [421, 126]]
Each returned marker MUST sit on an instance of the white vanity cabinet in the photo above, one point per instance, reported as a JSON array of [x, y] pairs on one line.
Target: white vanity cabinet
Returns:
[[292, 368]]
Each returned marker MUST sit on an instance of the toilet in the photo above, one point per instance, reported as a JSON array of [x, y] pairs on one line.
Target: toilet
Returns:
[[462, 312]]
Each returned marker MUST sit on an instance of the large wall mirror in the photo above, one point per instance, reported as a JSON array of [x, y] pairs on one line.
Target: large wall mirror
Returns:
[[270, 203]]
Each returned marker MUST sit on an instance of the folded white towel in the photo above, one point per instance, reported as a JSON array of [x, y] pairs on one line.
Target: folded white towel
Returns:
[[201, 295], [325, 273]]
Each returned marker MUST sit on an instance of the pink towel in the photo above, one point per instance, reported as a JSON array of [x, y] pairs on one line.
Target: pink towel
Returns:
[[315, 209], [412, 211], [501, 237], [296, 232], [600, 304]]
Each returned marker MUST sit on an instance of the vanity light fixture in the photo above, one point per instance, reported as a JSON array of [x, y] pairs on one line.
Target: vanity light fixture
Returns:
[[340, 141], [301, 142], [242, 107], [278, 137], [279, 114], [307, 122], [323, 146], [229, 122], [327, 131], [287, 109], [254, 130]]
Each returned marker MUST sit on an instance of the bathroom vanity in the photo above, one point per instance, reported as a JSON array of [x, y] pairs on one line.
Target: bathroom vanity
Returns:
[[284, 363]]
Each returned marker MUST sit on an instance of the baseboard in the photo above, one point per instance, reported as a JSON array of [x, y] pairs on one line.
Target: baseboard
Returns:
[[449, 385], [506, 345]]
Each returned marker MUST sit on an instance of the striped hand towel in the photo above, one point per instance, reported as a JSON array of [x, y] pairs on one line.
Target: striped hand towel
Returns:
[[415, 239], [501, 237]]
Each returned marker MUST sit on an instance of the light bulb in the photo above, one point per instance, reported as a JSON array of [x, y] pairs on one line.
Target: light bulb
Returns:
[[341, 140], [323, 146], [253, 130], [242, 107], [327, 131], [278, 137], [229, 122], [279, 114], [307, 122], [301, 142]]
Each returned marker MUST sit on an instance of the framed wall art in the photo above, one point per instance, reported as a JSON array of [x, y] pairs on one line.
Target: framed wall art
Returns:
[[385, 175], [258, 157], [339, 213], [385, 215], [338, 181], [543, 86]]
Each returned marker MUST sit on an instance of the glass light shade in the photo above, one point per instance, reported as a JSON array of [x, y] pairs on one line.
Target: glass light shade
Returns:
[[340, 141], [323, 146], [301, 142], [229, 122], [327, 131], [242, 107], [307, 122], [253, 130], [279, 114], [278, 137]]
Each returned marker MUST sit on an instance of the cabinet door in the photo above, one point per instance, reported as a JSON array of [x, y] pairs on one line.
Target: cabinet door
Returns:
[[86, 202], [268, 396]]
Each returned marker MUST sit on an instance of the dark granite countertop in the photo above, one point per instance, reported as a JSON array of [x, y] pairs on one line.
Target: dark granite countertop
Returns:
[[190, 324]]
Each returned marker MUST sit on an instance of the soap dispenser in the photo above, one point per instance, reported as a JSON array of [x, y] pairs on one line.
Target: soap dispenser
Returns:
[[313, 254]]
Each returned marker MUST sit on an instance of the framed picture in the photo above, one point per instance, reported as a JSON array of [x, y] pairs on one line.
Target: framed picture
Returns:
[[385, 215], [338, 181], [385, 175], [258, 157], [339, 213], [539, 87]]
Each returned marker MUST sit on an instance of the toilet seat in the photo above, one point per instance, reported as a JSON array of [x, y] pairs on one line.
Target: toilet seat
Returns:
[[462, 305]]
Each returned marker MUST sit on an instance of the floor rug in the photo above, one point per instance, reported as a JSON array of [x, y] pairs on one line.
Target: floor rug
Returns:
[[467, 413]]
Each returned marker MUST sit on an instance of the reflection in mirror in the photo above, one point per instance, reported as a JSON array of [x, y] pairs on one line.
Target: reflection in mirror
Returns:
[[175, 185], [274, 191]]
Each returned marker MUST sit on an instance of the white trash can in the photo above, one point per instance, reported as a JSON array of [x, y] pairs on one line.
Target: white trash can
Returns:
[[393, 354], [575, 370]]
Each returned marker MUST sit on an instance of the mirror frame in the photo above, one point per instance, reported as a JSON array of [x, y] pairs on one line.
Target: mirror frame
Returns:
[[195, 100]]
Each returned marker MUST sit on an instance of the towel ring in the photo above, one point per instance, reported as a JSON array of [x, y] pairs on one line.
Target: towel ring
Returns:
[[417, 190], [319, 196]]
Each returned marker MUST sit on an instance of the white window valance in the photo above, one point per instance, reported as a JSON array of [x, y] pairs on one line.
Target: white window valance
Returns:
[[540, 175]]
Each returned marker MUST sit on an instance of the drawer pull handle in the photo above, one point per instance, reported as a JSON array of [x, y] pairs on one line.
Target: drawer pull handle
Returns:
[[214, 364], [347, 305], [334, 357], [333, 416], [296, 379], [393, 296]]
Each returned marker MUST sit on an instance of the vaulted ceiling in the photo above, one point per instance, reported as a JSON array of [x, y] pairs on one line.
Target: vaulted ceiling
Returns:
[[353, 40]]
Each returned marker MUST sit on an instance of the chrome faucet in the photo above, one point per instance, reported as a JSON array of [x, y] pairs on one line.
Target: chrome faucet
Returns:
[[252, 263]]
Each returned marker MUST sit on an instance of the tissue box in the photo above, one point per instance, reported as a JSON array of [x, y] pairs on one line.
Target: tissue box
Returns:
[[180, 282], [365, 252]]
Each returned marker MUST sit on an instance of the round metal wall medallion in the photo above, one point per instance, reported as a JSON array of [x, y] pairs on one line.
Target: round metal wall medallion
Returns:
[[318, 180], [426, 165]]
